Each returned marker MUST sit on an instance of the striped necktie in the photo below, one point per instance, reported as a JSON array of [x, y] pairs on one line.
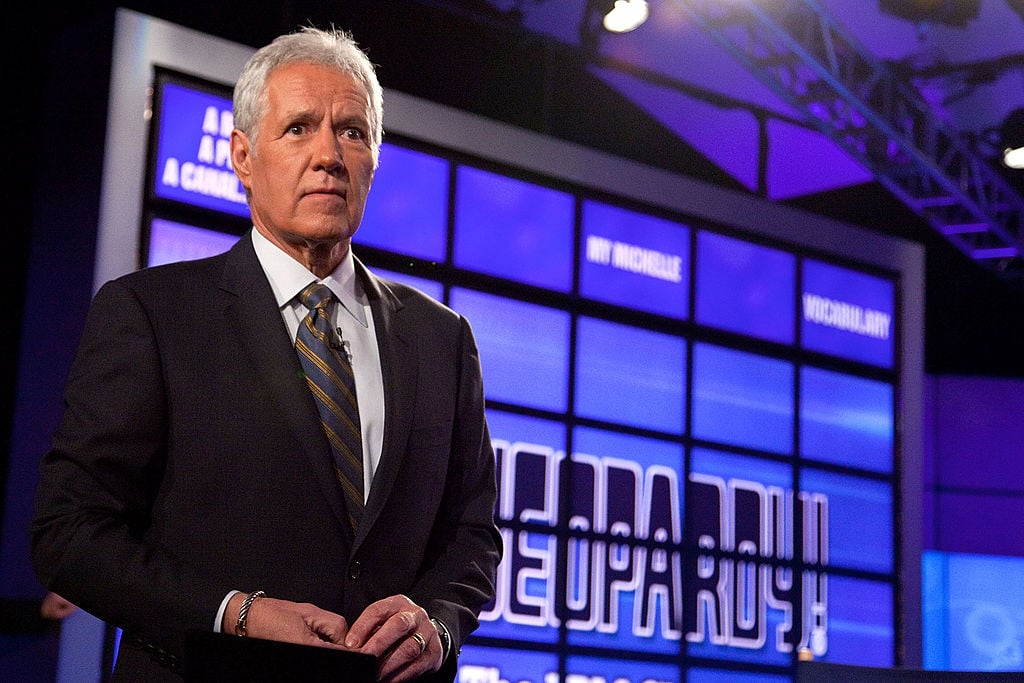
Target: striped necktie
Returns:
[[329, 375]]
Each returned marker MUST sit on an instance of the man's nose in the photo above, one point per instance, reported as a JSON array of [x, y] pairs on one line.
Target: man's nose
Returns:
[[328, 152]]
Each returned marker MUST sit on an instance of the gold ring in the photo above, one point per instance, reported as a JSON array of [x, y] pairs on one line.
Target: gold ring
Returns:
[[421, 641]]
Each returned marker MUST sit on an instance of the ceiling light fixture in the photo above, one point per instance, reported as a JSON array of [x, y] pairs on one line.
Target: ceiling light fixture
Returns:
[[1011, 137], [626, 15]]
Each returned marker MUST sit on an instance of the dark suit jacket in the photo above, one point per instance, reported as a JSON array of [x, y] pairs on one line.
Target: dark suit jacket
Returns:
[[190, 461]]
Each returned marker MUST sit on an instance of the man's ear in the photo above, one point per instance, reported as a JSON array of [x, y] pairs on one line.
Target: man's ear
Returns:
[[241, 156]]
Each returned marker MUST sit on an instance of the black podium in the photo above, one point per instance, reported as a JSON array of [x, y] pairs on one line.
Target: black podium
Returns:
[[221, 657]]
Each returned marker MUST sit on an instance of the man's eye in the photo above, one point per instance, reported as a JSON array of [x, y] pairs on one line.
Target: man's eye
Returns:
[[354, 133], [295, 129]]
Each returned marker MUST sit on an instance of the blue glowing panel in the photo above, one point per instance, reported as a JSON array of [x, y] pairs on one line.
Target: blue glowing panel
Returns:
[[478, 664], [528, 452], [407, 209], [846, 420], [634, 260], [860, 519], [524, 348], [193, 158], [431, 288], [513, 229], [861, 623], [595, 670], [623, 588], [698, 675], [745, 287], [630, 376], [973, 612], [742, 399], [749, 612], [848, 314], [170, 242]]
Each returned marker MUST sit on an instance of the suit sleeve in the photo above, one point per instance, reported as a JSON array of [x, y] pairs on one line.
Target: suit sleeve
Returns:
[[91, 535]]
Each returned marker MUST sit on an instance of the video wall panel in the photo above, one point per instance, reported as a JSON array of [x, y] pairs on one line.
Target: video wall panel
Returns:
[[695, 426]]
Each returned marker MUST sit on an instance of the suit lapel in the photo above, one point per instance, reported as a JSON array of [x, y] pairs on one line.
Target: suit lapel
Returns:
[[397, 347], [250, 308]]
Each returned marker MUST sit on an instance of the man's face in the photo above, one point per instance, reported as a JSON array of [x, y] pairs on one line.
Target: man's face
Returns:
[[312, 166]]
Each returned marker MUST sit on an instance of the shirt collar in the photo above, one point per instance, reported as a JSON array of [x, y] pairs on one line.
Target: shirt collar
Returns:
[[288, 277]]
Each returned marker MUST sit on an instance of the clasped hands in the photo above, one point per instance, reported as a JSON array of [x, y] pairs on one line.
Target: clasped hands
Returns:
[[395, 630]]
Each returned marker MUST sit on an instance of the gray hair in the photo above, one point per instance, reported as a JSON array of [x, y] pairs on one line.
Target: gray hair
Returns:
[[333, 48]]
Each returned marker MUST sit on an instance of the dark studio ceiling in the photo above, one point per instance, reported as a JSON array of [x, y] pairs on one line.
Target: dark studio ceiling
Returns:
[[882, 113]]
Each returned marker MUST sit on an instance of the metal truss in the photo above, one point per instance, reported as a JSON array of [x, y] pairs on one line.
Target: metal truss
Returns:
[[876, 115]]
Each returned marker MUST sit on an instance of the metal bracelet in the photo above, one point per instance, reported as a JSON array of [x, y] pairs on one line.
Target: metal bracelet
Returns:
[[243, 612]]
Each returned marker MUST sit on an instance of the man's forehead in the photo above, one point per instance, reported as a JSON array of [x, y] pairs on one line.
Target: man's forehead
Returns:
[[315, 82]]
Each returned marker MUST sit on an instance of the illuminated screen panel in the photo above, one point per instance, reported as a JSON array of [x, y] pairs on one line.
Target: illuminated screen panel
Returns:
[[630, 376], [524, 348], [742, 399], [973, 619], [633, 260], [528, 452], [740, 504], [431, 288], [599, 669], [702, 675], [407, 211], [860, 519], [861, 622], [513, 229], [170, 241], [623, 591], [192, 164], [494, 665], [846, 420], [848, 314], [745, 287]]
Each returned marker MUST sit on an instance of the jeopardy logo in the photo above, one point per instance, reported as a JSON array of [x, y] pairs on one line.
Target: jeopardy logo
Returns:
[[754, 576]]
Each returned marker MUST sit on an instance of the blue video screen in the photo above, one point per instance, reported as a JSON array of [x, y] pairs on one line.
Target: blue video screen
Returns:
[[702, 675], [193, 156], [431, 288], [630, 376], [635, 260], [861, 622], [582, 668], [860, 519], [745, 287], [524, 348], [407, 211], [529, 453], [973, 611], [742, 399], [847, 420], [479, 664], [170, 241], [513, 229], [623, 582], [848, 314], [750, 610]]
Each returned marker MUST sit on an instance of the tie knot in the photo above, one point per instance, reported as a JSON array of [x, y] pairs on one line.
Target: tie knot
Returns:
[[316, 296]]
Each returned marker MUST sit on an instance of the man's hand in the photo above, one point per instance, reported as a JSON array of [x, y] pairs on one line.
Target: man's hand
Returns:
[[290, 622], [399, 633], [55, 607]]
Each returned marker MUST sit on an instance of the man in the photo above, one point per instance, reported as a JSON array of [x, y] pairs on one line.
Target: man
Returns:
[[191, 482]]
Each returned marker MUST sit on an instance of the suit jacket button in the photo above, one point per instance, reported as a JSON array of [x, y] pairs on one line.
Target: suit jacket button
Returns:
[[354, 570]]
